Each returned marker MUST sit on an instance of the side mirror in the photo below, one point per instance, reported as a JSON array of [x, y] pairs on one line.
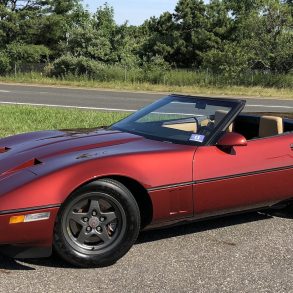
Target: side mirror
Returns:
[[231, 139]]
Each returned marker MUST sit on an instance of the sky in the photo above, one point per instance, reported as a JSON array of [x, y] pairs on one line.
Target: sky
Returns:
[[135, 11]]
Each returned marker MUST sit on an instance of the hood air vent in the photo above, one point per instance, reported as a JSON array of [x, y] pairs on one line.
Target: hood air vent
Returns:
[[4, 149], [30, 163]]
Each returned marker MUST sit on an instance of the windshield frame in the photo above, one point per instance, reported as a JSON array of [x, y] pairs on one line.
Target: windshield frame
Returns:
[[236, 107]]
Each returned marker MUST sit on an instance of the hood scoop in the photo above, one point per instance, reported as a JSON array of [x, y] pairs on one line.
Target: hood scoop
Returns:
[[4, 150], [27, 164]]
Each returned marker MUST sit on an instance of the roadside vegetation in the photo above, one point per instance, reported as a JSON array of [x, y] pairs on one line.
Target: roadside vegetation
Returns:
[[84, 82], [37, 78], [220, 47], [19, 119]]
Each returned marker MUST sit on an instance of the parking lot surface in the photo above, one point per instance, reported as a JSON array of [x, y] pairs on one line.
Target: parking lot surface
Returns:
[[244, 253]]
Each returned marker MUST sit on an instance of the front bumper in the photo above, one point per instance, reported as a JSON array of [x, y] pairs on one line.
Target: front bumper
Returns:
[[27, 240]]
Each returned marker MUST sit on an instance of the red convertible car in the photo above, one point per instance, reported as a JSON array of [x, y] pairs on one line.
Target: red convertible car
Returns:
[[87, 194]]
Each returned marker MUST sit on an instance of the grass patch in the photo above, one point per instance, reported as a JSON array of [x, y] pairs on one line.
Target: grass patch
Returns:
[[19, 119], [183, 87]]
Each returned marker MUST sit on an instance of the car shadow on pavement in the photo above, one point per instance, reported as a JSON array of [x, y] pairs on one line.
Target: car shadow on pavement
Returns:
[[213, 223], [285, 213], [7, 264], [201, 226]]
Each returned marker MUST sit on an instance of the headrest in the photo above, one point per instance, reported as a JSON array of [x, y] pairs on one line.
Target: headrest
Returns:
[[270, 126]]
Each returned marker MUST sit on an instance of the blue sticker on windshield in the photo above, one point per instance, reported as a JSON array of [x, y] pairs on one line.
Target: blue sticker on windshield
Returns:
[[197, 137]]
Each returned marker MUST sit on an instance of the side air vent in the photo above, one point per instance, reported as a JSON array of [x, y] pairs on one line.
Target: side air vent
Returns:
[[4, 149], [27, 164]]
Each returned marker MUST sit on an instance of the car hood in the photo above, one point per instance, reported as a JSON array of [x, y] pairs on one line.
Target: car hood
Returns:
[[26, 150]]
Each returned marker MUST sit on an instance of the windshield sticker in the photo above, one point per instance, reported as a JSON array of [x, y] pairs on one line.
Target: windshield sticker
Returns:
[[197, 137]]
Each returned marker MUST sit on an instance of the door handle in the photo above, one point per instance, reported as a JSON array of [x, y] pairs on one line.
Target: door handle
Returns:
[[291, 146]]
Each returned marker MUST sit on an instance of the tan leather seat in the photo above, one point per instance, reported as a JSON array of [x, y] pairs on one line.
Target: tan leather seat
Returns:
[[219, 116], [270, 126], [205, 122], [190, 127]]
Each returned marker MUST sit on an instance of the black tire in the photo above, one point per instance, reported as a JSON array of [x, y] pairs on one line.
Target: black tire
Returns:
[[105, 243]]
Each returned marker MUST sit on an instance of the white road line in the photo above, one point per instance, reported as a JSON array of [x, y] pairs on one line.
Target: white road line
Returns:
[[248, 105], [172, 113], [117, 109], [183, 114], [66, 106], [269, 106], [3, 91], [186, 103]]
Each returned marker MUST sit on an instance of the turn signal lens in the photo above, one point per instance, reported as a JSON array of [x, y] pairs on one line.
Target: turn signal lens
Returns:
[[16, 219], [29, 218]]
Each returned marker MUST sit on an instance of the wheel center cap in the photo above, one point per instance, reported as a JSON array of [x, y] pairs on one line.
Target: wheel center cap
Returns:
[[94, 222]]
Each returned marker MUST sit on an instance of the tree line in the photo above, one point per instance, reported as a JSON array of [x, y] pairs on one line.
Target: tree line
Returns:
[[223, 37]]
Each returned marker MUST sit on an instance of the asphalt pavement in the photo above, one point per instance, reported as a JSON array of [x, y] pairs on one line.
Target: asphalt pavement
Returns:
[[245, 253], [109, 100]]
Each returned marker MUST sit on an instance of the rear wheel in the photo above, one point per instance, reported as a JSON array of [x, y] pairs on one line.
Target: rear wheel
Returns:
[[97, 225]]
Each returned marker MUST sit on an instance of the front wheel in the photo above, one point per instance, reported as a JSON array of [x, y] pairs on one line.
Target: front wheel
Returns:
[[97, 225]]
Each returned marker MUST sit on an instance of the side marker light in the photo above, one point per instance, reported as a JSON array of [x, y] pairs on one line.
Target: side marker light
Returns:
[[29, 218]]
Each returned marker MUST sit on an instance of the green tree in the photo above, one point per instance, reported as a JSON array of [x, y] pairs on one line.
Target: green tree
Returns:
[[26, 54], [183, 37], [4, 63], [231, 60], [267, 34], [220, 23], [98, 37], [91, 37], [192, 22], [163, 38], [240, 8], [58, 17]]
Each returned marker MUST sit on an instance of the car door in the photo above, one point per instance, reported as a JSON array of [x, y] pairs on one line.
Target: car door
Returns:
[[259, 174]]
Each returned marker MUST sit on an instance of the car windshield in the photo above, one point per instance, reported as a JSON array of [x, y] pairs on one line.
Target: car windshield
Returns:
[[179, 119]]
